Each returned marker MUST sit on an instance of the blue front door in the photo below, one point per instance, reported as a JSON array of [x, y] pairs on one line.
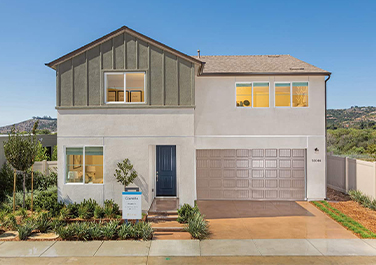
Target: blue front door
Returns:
[[166, 170]]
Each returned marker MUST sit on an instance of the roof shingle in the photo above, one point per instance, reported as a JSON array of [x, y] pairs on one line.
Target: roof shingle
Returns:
[[257, 64]]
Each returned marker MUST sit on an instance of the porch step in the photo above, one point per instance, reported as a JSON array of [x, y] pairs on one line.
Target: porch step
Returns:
[[167, 226], [156, 218], [163, 213]]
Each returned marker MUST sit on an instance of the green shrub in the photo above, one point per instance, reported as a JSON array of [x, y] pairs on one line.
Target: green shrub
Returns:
[[10, 222], [143, 230], [110, 229], [355, 195], [66, 232], [82, 230], [98, 212], [43, 222], [83, 212], [3, 214], [111, 209], [197, 226], [64, 213], [90, 206], [25, 230], [95, 231], [43, 182], [125, 231], [47, 200], [185, 212], [362, 199], [21, 212], [6, 207], [73, 209], [56, 223]]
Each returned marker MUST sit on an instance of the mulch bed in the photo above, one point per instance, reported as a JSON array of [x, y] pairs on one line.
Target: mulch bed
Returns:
[[343, 203], [362, 215], [333, 195]]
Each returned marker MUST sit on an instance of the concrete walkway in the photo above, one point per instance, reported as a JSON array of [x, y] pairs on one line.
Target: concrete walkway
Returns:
[[191, 248]]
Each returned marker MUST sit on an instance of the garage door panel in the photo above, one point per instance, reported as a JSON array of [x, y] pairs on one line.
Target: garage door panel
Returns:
[[258, 174], [228, 173], [298, 173], [242, 153], [271, 173]]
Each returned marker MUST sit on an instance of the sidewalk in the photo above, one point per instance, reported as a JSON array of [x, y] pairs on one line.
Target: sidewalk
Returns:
[[191, 248]]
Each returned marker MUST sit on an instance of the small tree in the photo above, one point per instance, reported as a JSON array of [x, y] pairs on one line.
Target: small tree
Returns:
[[41, 153], [20, 151], [54, 154], [125, 173]]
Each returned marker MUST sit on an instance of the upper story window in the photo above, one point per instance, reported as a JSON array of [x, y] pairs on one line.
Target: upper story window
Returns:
[[298, 90], [254, 95], [125, 87], [84, 165]]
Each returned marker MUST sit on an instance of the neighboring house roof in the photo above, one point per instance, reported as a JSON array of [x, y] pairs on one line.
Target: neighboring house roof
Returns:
[[115, 33], [256, 65]]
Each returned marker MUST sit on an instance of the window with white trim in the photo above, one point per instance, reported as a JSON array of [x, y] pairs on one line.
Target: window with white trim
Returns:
[[125, 87], [292, 94], [84, 165], [254, 95]]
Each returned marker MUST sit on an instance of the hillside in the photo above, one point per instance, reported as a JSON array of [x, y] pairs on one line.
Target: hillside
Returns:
[[26, 126], [354, 117]]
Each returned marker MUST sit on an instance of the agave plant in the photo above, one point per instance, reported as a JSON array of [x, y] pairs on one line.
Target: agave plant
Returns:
[[197, 226], [25, 230]]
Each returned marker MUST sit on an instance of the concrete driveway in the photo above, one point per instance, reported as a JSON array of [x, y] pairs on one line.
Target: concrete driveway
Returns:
[[269, 220]]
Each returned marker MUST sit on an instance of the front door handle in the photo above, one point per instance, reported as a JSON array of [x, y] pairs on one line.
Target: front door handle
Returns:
[[157, 176]]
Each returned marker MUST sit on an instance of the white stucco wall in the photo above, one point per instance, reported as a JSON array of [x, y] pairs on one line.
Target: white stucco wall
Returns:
[[131, 134], [219, 124], [215, 123]]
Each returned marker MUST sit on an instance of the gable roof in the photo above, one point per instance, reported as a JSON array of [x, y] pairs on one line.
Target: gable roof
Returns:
[[257, 65], [119, 31]]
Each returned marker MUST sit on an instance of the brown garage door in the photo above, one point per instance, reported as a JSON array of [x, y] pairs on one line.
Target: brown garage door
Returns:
[[251, 174]]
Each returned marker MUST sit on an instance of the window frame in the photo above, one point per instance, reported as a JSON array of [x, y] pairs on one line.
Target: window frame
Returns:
[[106, 73], [84, 163], [252, 106], [291, 106]]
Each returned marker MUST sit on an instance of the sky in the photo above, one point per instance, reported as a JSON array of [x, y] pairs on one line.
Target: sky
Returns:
[[338, 36]]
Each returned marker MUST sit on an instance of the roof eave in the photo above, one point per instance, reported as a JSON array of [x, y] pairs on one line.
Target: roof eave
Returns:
[[263, 73], [119, 31]]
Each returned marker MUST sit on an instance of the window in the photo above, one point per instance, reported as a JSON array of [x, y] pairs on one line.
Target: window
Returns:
[[125, 87], [298, 90], [244, 95], [282, 95], [252, 95], [86, 168], [261, 95], [300, 94]]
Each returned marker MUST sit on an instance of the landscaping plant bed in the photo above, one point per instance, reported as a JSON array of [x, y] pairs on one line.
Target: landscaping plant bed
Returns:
[[365, 216], [334, 195], [360, 229]]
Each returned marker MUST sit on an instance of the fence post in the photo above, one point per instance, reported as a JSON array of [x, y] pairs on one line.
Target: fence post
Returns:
[[44, 167], [347, 174]]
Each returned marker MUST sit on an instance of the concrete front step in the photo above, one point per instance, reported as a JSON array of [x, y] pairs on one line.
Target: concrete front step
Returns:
[[168, 229], [173, 212], [152, 218], [169, 226]]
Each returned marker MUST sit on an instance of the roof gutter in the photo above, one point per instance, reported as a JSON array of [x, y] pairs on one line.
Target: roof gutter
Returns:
[[325, 144]]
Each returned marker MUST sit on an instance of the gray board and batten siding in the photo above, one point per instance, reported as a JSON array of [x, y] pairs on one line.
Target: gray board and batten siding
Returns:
[[169, 77]]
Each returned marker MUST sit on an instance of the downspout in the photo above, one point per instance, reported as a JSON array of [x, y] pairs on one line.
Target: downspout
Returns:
[[326, 152]]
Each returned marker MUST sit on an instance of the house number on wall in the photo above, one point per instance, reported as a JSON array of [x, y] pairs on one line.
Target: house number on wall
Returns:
[[316, 160]]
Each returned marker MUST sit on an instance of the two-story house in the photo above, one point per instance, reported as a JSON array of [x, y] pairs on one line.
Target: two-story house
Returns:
[[202, 127]]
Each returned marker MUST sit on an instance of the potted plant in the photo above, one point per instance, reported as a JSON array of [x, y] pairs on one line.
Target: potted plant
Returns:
[[125, 173]]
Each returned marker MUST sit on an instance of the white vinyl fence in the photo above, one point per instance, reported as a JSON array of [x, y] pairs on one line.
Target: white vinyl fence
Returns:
[[45, 167], [344, 174]]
